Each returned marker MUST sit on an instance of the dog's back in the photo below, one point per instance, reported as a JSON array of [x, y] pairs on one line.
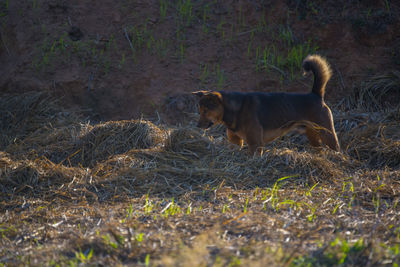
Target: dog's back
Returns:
[[273, 110]]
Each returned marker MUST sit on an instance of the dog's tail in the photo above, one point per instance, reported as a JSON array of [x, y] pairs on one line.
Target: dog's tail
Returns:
[[321, 70]]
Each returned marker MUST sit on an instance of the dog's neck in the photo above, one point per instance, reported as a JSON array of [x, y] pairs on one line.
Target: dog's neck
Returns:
[[229, 121], [232, 106]]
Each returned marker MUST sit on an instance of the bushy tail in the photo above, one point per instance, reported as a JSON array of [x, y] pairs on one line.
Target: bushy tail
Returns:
[[321, 70]]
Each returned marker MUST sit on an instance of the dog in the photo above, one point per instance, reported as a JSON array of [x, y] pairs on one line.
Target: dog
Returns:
[[258, 118]]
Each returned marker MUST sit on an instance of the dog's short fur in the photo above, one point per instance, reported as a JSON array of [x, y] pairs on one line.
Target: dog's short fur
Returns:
[[258, 118]]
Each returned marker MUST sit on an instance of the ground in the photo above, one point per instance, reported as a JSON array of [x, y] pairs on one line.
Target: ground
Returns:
[[100, 162], [126, 58]]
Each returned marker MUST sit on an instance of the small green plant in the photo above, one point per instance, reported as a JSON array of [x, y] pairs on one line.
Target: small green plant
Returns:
[[235, 261], [182, 52], [184, 11], [84, 257], [189, 209], [161, 47], [212, 74], [122, 61], [220, 77], [255, 193], [148, 205], [258, 62], [225, 208], [163, 8], [205, 17], [62, 50], [250, 44], [220, 28], [204, 74], [308, 193], [241, 23], [274, 191], [288, 65], [285, 59], [345, 249], [142, 38], [129, 212], [289, 202], [310, 216], [265, 194], [4, 230], [339, 252], [171, 209], [335, 209], [245, 205], [35, 4], [286, 34], [393, 251], [107, 240], [351, 189], [139, 237], [387, 6], [262, 23]]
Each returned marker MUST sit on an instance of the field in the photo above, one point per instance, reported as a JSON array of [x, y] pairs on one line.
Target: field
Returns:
[[132, 192], [95, 172]]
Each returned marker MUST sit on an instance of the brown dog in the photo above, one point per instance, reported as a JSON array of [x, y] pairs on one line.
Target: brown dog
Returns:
[[259, 118]]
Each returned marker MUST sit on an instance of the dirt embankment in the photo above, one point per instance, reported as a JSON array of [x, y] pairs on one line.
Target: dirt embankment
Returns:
[[123, 59]]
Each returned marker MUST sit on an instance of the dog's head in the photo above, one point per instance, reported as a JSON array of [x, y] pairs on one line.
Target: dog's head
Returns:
[[211, 108]]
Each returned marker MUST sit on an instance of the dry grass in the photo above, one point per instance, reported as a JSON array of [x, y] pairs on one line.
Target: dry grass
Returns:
[[381, 92], [136, 193]]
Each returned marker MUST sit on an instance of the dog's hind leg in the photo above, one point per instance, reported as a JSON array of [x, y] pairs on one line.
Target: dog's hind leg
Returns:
[[313, 137], [233, 138], [328, 136]]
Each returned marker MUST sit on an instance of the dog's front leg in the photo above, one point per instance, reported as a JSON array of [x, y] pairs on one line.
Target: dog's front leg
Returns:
[[255, 150], [234, 138], [255, 143]]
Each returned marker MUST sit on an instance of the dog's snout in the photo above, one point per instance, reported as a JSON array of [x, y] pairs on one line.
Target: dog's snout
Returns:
[[204, 124]]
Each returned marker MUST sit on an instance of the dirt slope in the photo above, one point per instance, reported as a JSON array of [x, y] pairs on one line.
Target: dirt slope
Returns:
[[122, 59]]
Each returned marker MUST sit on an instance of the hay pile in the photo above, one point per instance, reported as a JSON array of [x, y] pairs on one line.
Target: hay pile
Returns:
[[187, 141], [98, 142], [380, 93], [40, 177], [373, 138], [34, 124]]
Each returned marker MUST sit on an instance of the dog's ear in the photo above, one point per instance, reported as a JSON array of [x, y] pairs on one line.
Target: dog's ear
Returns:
[[216, 95], [211, 100], [200, 93], [211, 94]]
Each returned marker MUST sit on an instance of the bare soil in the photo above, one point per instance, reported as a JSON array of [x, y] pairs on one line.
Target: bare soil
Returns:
[[124, 59]]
